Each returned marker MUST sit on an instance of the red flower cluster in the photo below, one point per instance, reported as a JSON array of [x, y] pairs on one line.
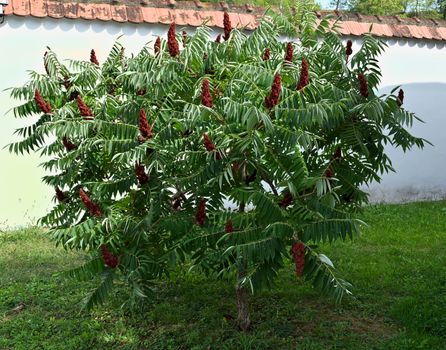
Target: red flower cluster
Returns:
[[286, 200], [92, 207], [348, 48], [93, 58], [289, 52], [144, 127], [141, 175], [208, 143], [227, 27], [43, 106], [337, 153], [185, 38], [267, 54], [218, 39], [273, 98], [303, 79], [298, 254], [69, 146], [206, 98], [109, 259], [83, 108], [400, 99], [60, 195], [229, 227], [157, 46], [172, 43], [363, 86], [200, 216]]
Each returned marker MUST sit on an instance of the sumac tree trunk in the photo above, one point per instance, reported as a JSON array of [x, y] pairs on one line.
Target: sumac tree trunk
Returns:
[[243, 320]]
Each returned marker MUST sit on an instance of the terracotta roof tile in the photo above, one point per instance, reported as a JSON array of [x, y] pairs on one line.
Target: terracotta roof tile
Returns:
[[71, 10], [21, 7], [194, 13], [119, 13], [55, 9], [38, 8], [85, 11]]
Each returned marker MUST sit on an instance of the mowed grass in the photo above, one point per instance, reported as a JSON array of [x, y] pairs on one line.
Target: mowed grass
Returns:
[[398, 268]]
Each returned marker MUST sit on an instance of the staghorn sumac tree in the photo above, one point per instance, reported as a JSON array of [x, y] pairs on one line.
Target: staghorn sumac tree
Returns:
[[231, 156]]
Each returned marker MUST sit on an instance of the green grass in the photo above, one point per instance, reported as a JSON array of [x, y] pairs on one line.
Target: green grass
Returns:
[[398, 267]]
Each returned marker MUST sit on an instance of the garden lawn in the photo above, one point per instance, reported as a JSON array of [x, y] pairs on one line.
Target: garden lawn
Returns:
[[397, 266]]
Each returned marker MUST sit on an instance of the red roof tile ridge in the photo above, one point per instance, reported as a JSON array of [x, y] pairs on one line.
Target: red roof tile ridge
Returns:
[[194, 13]]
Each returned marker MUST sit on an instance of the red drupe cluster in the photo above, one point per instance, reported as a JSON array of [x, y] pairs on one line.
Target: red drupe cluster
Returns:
[[60, 195], [289, 52], [109, 259], [206, 98], [93, 58], [69, 146], [145, 128], [200, 216], [172, 43], [267, 54], [273, 98], [348, 48], [229, 227], [303, 79], [92, 207], [286, 200], [140, 173], [227, 26], [157, 46], [83, 108], [400, 99], [208, 144], [363, 85], [45, 107]]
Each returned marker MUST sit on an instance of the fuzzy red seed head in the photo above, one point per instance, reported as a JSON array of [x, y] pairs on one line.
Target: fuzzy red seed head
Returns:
[[267, 54], [60, 195], [93, 58], [83, 108], [303, 79], [157, 46], [140, 173], [286, 200], [348, 48], [273, 98], [92, 207], [229, 227], [41, 103], [400, 99], [145, 128], [363, 85], [298, 254], [338, 153], [218, 39], [200, 216], [69, 146], [109, 259], [172, 43], [208, 144], [289, 52], [227, 27], [206, 98]]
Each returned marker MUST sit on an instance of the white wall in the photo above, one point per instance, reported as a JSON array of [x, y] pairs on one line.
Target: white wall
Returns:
[[23, 198]]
